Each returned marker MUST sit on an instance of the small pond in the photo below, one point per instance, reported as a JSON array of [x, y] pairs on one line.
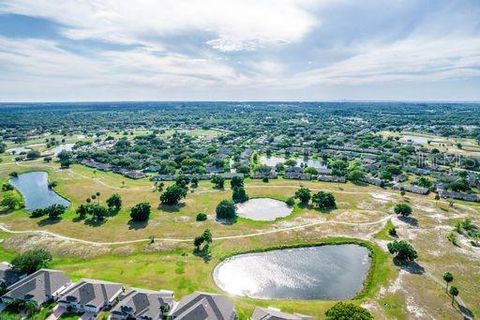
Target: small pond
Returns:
[[62, 147], [34, 188], [327, 272], [264, 209]]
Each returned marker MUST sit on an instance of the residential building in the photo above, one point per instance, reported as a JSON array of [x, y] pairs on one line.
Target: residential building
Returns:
[[90, 296], [42, 286], [202, 306], [141, 304]]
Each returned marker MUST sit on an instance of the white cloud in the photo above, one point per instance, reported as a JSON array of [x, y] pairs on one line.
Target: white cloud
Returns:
[[233, 25], [238, 46]]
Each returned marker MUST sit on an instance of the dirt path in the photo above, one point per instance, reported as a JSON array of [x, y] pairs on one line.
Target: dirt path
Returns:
[[248, 235]]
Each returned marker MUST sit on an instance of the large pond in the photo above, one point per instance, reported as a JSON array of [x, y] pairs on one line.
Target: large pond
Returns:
[[264, 209], [327, 272], [34, 188]]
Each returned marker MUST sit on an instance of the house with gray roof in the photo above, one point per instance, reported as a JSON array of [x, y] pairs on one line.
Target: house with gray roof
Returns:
[[141, 304], [41, 286], [8, 276], [202, 306], [275, 314], [90, 296]]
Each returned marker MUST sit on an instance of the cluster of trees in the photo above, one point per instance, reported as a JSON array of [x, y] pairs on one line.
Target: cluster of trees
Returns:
[[11, 200], [31, 261], [321, 200], [173, 194], [97, 211], [53, 212]]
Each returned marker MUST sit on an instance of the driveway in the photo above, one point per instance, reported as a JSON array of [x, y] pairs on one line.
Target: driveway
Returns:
[[57, 312]]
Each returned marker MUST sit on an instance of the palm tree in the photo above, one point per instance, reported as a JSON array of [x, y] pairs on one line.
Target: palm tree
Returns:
[[30, 307], [454, 292], [447, 277]]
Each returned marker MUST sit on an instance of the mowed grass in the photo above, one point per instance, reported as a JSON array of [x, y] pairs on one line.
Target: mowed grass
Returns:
[[79, 183], [183, 272]]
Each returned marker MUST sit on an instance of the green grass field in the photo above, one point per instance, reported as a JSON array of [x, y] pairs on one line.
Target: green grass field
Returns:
[[363, 215]]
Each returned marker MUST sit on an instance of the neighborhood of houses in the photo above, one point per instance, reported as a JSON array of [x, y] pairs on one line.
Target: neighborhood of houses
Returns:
[[89, 297]]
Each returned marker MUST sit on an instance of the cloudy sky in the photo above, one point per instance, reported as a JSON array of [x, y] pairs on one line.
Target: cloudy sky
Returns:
[[80, 50]]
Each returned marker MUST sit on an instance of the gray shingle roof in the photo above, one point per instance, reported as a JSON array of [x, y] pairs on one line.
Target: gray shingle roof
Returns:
[[88, 292], [143, 304], [38, 286], [201, 306]]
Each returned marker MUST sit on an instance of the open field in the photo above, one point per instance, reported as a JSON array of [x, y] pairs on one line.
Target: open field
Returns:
[[168, 263]]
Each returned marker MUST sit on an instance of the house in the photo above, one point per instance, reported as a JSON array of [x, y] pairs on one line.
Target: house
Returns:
[[324, 178], [140, 304], [410, 188], [275, 314], [42, 286], [264, 175], [459, 196], [372, 180], [201, 305], [90, 296], [8, 276]]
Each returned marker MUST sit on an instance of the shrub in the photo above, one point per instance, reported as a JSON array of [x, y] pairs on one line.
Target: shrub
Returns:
[[347, 311], [403, 209], [290, 202], [201, 216], [32, 260]]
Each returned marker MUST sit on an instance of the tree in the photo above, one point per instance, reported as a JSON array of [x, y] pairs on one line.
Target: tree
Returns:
[[206, 238], [311, 170], [236, 181], [324, 200], [447, 277], [218, 182], [11, 200], [173, 194], [226, 210], [31, 261], [403, 209], [347, 311], [54, 211], [114, 202], [65, 158], [33, 154], [339, 167], [304, 195], [404, 251], [98, 212], [356, 175], [239, 195], [454, 292], [140, 212]]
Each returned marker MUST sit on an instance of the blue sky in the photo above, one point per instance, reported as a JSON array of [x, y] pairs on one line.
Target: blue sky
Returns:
[[84, 50]]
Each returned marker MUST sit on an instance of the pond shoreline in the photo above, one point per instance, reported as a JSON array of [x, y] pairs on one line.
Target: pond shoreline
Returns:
[[374, 278]]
